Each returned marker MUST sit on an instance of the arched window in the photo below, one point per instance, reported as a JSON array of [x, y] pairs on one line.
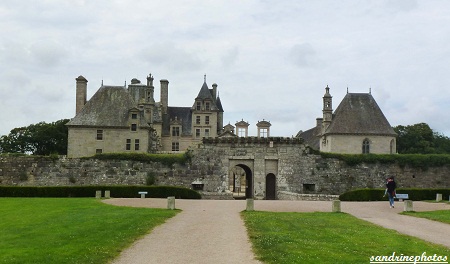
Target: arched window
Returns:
[[366, 146], [392, 146]]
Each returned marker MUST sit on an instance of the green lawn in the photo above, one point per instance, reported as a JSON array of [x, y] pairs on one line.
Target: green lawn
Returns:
[[327, 238], [70, 230], [440, 215]]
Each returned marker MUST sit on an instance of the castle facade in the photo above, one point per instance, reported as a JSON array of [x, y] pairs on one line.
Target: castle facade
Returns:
[[128, 119]]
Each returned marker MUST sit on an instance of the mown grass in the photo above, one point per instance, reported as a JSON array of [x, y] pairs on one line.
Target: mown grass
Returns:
[[70, 230], [440, 215], [327, 238]]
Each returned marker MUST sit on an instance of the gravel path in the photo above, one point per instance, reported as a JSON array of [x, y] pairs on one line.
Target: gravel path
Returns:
[[211, 231]]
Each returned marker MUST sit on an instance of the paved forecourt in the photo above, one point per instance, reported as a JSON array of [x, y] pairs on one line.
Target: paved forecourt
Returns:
[[212, 231]]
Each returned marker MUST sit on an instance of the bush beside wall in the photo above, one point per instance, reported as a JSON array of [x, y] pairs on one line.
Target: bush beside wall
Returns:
[[89, 191], [377, 194]]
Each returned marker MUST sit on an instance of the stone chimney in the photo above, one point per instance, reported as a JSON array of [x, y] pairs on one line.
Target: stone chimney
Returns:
[[214, 86], [81, 93], [164, 95]]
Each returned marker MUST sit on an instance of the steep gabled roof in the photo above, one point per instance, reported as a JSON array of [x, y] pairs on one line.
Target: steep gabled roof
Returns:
[[205, 93], [109, 106], [358, 113]]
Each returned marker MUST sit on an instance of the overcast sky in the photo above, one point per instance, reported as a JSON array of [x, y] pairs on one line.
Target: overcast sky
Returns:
[[271, 59]]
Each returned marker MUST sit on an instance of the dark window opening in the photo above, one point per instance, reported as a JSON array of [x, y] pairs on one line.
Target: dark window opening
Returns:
[[136, 144], [99, 134], [308, 187], [128, 145]]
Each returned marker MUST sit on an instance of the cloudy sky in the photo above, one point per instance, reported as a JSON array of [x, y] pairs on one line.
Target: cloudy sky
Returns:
[[271, 59]]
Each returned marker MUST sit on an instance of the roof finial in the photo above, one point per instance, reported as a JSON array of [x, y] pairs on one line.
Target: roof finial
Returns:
[[370, 90], [204, 78], [102, 81], [347, 88]]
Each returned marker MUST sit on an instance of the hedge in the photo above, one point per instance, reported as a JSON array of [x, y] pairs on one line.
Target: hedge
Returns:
[[166, 159], [377, 194], [89, 191], [422, 161]]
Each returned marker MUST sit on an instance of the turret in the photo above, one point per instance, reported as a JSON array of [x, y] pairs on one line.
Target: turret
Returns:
[[327, 109], [81, 93]]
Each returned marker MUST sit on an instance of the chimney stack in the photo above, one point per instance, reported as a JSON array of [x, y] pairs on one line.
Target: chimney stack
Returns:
[[81, 93], [164, 95]]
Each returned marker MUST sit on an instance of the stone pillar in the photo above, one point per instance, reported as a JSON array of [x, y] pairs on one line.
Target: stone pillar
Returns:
[[142, 195], [250, 205], [171, 202], [438, 197], [408, 206], [107, 194], [336, 206], [98, 194]]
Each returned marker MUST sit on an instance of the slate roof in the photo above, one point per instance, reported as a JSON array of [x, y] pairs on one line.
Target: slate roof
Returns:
[[311, 137], [205, 93], [359, 113], [219, 104], [108, 107], [181, 113]]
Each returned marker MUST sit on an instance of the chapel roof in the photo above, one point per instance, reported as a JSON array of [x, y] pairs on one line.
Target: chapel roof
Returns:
[[359, 113]]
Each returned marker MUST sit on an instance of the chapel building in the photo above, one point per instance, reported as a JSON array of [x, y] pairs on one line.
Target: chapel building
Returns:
[[357, 126]]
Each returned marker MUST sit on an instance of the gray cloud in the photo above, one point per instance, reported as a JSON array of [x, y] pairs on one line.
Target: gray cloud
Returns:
[[271, 59]]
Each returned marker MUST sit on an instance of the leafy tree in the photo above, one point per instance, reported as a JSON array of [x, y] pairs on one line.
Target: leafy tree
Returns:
[[442, 143], [420, 139], [38, 139]]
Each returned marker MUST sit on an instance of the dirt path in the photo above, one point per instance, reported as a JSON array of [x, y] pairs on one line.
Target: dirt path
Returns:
[[211, 231], [205, 231]]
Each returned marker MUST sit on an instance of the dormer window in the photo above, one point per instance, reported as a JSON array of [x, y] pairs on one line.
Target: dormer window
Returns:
[[133, 116], [207, 106], [175, 131], [198, 106]]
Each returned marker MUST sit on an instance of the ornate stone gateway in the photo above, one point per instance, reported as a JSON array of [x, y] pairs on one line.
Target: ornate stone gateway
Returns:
[[253, 165]]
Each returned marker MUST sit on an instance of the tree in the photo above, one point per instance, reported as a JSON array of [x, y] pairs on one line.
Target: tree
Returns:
[[442, 143], [420, 139], [37, 139]]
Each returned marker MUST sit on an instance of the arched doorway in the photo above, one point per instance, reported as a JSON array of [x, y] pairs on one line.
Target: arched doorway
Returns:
[[270, 186], [242, 182]]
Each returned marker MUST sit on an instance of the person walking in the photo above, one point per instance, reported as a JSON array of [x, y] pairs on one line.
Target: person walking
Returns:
[[390, 187]]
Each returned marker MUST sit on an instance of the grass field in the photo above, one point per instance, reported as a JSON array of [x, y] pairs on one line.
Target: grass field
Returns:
[[441, 215], [70, 230], [327, 238]]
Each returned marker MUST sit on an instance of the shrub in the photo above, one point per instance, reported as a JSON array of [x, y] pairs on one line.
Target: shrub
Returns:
[[422, 161], [89, 191], [414, 194], [166, 159]]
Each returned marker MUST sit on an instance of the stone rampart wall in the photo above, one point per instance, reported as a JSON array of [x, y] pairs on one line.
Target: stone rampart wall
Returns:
[[296, 172]]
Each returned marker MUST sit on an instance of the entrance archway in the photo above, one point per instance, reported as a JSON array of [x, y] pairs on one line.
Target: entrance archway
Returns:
[[270, 186], [242, 181]]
